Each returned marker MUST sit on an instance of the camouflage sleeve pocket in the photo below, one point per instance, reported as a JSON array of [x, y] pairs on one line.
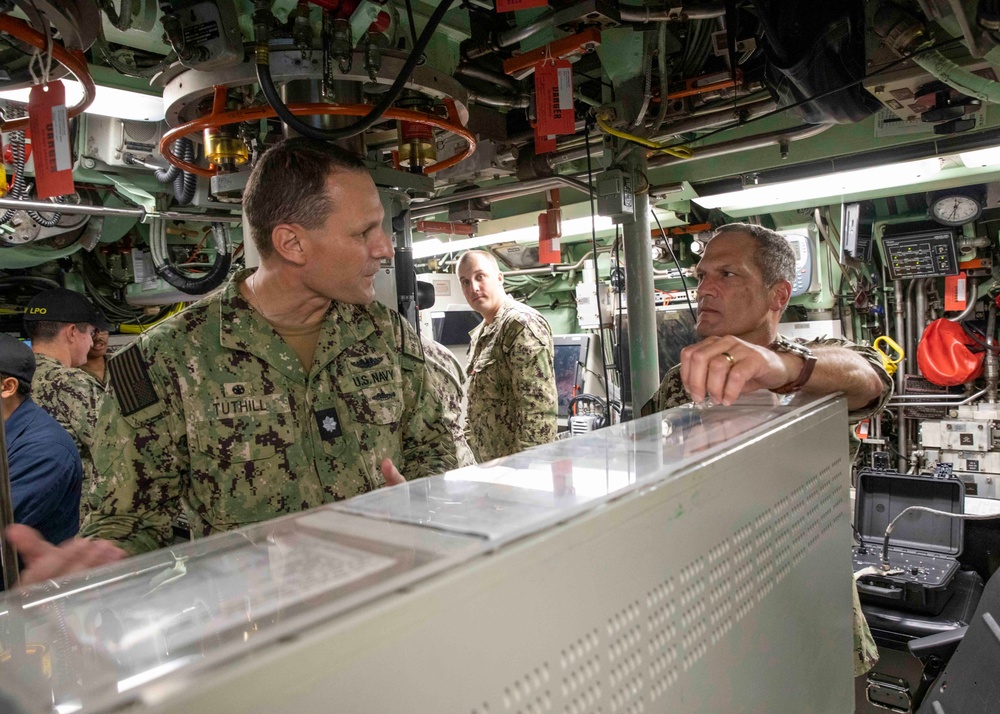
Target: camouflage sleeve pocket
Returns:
[[230, 441]]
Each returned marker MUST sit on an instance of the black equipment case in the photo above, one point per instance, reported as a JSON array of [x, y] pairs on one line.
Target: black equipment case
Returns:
[[924, 546]]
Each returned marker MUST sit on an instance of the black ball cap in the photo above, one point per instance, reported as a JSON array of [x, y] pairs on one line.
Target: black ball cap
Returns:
[[16, 359], [61, 305]]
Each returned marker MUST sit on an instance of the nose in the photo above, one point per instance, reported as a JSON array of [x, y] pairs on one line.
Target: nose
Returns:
[[382, 247]]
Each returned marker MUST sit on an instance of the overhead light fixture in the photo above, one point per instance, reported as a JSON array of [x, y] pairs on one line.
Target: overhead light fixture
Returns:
[[108, 101], [981, 157], [574, 227], [835, 186]]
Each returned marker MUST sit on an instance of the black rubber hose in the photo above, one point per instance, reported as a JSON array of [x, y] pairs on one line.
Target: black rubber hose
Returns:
[[215, 276], [185, 183], [17, 153], [369, 120], [47, 222], [29, 280], [168, 174]]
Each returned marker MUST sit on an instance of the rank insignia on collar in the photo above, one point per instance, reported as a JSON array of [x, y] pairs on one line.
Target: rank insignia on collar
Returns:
[[329, 424]]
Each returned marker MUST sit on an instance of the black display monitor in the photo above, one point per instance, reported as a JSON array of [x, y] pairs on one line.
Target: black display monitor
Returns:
[[452, 327], [674, 331], [570, 359]]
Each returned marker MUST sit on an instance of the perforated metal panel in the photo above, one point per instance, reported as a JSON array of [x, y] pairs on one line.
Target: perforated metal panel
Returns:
[[725, 589]]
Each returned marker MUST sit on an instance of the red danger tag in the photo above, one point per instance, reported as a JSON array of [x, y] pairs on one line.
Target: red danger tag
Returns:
[[548, 245], [544, 144], [554, 98], [49, 131], [512, 5]]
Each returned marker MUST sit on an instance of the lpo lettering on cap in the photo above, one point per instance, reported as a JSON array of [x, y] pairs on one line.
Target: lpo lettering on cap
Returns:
[[37, 310]]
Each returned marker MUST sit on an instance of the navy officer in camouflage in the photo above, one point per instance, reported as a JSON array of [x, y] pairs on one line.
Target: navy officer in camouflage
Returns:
[[287, 389], [512, 399], [744, 283], [61, 325]]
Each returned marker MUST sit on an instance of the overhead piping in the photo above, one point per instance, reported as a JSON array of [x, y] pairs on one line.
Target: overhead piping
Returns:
[[708, 11], [496, 193], [758, 141], [139, 213]]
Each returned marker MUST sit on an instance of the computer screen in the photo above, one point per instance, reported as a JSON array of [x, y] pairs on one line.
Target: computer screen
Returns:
[[570, 359], [674, 331], [452, 327]]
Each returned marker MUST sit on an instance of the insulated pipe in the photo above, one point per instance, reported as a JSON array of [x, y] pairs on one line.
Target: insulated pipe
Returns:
[[921, 297], [705, 121], [643, 353], [465, 69], [943, 69], [139, 213], [758, 141], [902, 447], [519, 101], [495, 193], [518, 34], [909, 343], [708, 11], [709, 120], [991, 369]]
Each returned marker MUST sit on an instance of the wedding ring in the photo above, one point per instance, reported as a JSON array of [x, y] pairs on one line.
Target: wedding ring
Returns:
[[730, 358]]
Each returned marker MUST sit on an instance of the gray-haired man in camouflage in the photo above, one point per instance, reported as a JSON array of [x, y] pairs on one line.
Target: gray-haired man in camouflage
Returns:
[[744, 283], [512, 386], [287, 389]]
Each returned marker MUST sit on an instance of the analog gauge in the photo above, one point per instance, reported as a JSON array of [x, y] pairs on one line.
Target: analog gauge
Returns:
[[956, 207]]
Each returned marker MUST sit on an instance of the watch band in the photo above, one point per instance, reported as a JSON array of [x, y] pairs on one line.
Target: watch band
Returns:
[[808, 365]]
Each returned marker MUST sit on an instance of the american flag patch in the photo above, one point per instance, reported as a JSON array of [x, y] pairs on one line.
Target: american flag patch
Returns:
[[131, 383]]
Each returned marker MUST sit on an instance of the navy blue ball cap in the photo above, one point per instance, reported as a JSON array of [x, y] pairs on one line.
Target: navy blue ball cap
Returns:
[[61, 305], [16, 359], [102, 322]]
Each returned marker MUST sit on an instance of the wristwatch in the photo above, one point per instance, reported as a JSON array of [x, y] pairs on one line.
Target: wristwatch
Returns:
[[808, 364]]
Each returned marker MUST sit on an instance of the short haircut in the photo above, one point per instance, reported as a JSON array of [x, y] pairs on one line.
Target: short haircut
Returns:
[[23, 388], [47, 330], [470, 254], [774, 257], [288, 185]]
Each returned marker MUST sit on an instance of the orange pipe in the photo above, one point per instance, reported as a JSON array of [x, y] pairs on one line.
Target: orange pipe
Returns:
[[72, 60], [265, 112]]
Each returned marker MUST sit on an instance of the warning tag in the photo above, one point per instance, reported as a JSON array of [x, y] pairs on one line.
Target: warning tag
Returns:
[[49, 131]]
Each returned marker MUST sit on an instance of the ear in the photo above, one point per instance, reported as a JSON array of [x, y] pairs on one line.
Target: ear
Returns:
[[8, 387], [288, 241], [70, 332], [500, 278], [778, 295]]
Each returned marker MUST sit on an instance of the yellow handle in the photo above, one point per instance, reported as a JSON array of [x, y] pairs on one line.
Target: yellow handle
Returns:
[[888, 362]]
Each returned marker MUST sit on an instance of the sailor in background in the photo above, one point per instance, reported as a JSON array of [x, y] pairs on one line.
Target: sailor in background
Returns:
[[512, 386]]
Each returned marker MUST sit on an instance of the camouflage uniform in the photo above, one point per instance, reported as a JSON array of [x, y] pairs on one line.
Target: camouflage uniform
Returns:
[[446, 378], [214, 414], [74, 399], [512, 386], [671, 394]]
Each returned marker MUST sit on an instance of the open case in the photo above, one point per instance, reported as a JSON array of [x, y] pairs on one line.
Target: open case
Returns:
[[925, 546]]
